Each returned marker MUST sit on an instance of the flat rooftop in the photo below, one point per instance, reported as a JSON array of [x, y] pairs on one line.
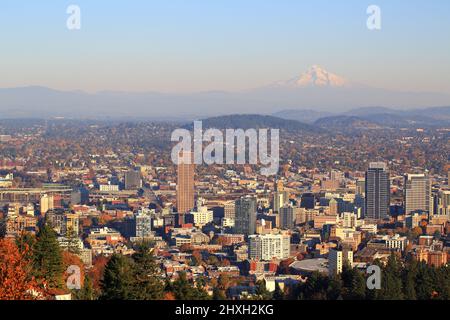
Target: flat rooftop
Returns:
[[311, 265]]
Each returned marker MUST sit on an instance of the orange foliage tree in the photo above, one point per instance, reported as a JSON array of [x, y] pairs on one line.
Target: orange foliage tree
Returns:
[[70, 259], [169, 296], [96, 272], [283, 268], [16, 281]]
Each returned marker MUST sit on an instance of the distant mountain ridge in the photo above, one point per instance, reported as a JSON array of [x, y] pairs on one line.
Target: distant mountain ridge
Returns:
[[388, 118], [315, 89], [347, 122], [254, 121], [306, 116]]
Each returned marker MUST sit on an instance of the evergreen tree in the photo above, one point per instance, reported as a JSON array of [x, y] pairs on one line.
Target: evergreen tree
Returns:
[[87, 292], [443, 282], [424, 282], [218, 294], [278, 293], [224, 282], [437, 235], [391, 281], [184, 290], [315, 288], [334, 291], [147, 285], [261, 290], [413, 280], [200, 293], [358, 286], [181, 288], [409, 280], [2, 227], [47, 258], [354, 284], [117, 283], [201, 281]]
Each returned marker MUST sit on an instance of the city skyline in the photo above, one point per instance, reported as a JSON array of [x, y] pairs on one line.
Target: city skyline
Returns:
[[239, 154], [107, 198]]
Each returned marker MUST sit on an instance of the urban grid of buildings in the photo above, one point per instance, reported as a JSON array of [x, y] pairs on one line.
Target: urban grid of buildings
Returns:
[[243, 224]]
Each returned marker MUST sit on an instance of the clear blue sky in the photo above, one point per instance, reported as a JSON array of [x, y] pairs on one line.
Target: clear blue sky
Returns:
[[191, 45]]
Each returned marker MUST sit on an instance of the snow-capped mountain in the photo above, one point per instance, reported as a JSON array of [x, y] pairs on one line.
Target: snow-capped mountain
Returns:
[[315, 76], [315, 91]]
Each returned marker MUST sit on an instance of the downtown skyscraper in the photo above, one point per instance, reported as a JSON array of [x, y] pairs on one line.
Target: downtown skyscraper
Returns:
[[377, 191], [280, 197], [287, 217], [185, 183], [418, 197], [245, 218]]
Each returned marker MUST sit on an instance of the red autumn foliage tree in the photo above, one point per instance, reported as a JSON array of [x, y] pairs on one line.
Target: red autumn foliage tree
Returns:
[[105, 218], [86, 222], [197, 257], [70, 259], [16, 281], [96, 272], [225, 263], [283, 268], [169, 296]]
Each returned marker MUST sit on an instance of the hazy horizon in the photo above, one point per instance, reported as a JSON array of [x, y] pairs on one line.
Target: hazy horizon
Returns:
[[208, 58], [231, 46]]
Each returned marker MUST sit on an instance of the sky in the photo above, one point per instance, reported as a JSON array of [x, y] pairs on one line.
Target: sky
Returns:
[[202, 45]]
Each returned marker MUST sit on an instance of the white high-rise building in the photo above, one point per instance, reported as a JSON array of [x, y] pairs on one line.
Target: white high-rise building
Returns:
[[280, 198], [202, 216], [418, 197], [337, 259], [46, 203], [30, 210], [143, 223], [269, 246], [13, 210], [396, 242], [349, 220]]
